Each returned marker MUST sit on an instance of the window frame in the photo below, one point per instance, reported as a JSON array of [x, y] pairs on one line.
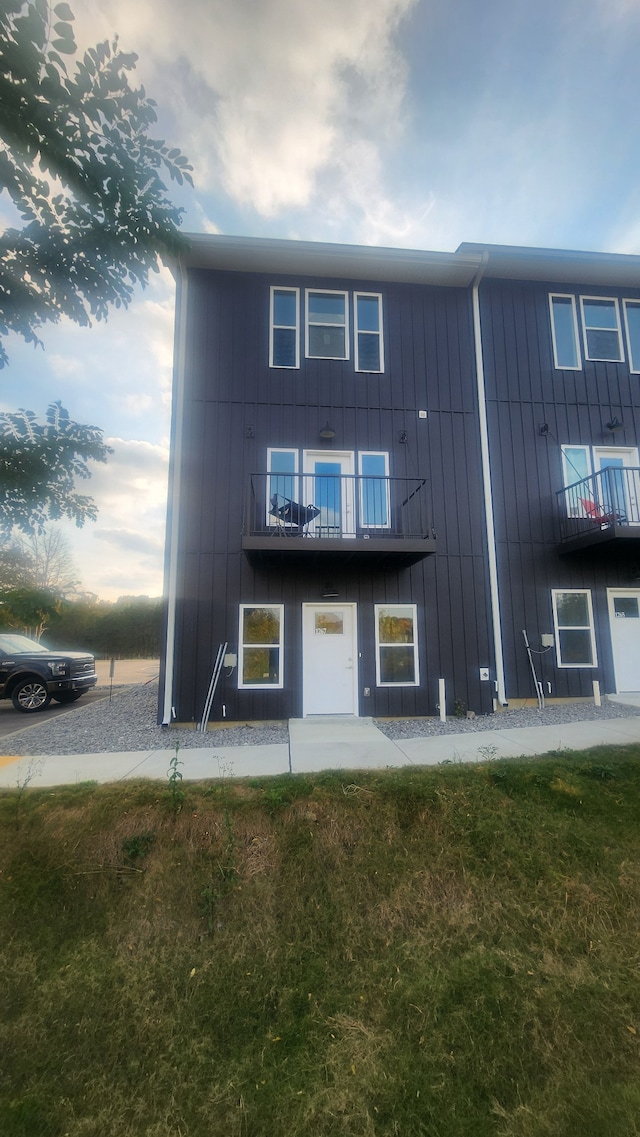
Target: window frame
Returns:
[[569, 476], [242, 686], [308, 324], [374, 477], [377, 608], [273, 327], [366, 332], [558, 628], [626, 302], [271, 450], [595, 327], [576, 332]]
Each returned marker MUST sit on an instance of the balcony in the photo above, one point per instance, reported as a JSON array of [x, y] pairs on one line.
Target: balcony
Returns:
[[342, 519], [601, 510]]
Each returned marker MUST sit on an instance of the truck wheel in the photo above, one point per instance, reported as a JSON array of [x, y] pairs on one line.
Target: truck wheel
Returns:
[[68, 696], [30, 695]]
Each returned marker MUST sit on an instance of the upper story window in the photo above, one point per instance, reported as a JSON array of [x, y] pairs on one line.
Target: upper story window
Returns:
[[601, 328], [597, 333], [284, 345], [368, 331], [632, 326], [327, 330], [564, 331], [330, 323]]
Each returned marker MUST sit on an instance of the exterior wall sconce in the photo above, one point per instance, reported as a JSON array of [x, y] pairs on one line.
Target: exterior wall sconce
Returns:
[[327, 431], [614, 424], [329, 592], [543, 428], [403, 436]]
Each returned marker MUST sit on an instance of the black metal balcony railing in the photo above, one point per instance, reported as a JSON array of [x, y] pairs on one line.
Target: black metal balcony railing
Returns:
[[603, 506], [323, 507]]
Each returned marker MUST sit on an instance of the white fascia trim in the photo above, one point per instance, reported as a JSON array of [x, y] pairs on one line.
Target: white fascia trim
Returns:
[[173, 501], [488, 496]]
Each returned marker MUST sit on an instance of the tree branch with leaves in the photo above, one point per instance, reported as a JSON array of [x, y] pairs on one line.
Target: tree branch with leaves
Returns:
[[39, 465], [83, 172]]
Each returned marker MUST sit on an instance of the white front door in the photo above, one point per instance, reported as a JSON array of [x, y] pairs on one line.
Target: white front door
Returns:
[[329, 659], [624, 618]]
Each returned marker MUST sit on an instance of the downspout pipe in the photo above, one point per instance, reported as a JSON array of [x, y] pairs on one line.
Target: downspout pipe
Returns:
[[173, 500], [487, 490]]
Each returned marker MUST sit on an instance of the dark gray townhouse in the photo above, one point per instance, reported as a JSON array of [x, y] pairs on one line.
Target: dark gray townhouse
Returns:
[[401, 479]]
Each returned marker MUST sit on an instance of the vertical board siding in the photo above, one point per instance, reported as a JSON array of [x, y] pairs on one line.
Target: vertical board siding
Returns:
[[524, 390], [232, 393]]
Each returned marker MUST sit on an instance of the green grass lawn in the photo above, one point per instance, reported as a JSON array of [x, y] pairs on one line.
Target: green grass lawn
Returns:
[[443, 952]]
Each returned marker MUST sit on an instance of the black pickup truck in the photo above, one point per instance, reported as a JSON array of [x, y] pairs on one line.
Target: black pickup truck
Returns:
[[31, 675]]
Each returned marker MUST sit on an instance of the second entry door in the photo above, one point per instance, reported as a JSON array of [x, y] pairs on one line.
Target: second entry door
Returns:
[[624, 617]]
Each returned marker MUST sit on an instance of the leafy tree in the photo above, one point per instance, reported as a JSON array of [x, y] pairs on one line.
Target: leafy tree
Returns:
[[29, 609], [36, 574], [128, 629], [80, 167], [15, 566], [51, 564], [39, 465]]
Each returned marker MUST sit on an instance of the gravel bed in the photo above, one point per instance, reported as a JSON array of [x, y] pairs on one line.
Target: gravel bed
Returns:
[[552, 715], [127, 722]]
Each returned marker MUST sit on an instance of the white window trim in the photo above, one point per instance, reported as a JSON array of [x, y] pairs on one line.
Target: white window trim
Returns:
[[634, 304], [361, 479], [356, 332], [273, 521], [326, 292], [581, 627], [576, 331], [241, 648], [287, 327], [596, 327], [570, 477], [416, 661]]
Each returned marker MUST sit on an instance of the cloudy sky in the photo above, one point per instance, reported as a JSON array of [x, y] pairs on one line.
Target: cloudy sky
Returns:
[[416, 123]]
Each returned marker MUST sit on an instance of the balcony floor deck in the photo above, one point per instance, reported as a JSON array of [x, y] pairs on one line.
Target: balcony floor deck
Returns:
[[599, 537], [369, 552]]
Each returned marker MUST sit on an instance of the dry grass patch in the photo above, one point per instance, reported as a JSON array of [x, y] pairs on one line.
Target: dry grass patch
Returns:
[[428, 953]]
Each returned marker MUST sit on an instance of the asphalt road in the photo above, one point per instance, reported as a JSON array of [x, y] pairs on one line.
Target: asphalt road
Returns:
[[12, 720]]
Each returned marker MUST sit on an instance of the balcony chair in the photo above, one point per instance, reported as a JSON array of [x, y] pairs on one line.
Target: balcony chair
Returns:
[[600, 516], [291, 518]]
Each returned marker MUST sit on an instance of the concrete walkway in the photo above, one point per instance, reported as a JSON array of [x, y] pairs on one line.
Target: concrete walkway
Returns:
[[318, 744]]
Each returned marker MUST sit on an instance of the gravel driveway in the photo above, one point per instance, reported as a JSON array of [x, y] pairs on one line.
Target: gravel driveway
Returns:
[[127, 722]]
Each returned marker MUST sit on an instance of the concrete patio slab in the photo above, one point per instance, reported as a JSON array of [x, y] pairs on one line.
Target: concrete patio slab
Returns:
[[333, 743]]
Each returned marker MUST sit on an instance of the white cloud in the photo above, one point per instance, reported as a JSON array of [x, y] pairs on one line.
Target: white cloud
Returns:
[[122, 552], [130, 541], [266, 95]]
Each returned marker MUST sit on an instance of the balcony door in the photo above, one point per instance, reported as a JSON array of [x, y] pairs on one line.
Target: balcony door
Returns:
[[329, 485], [618, 488], [624, 619]]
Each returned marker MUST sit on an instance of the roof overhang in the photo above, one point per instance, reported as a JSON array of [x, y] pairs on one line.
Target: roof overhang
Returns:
[[513, 262], [409, 266], [318, 259]]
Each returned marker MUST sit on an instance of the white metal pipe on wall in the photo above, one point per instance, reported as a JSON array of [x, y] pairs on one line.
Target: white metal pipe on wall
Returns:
[[488, 494]]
